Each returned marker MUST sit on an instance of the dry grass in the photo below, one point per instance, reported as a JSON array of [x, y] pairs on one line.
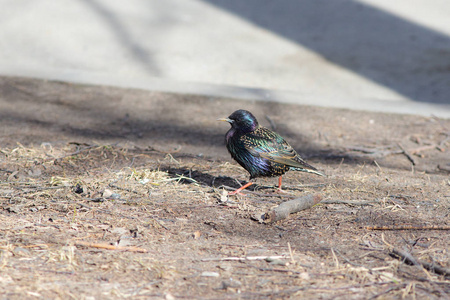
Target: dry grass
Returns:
[[89, 211], [84, 212]]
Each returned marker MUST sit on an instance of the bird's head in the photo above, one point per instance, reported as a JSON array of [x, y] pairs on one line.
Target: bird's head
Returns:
[[242, 120]]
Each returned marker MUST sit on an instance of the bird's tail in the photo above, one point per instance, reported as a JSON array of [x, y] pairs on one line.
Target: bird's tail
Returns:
[[310, 170], [315, 172]]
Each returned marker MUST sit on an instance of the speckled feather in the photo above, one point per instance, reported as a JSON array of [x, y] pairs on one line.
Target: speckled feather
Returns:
[[262, 152]]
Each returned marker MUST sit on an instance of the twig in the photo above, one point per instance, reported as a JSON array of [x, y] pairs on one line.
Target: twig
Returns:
[[291, 254], [336, 261], [409, 227], [111, 247], [35, 246], [73, 153], [394, 288], [369, 150], [276, 270], [37, 189], [106, 211], [123, 189], [424, 148], [384, 241], [244, 258], [47, 225], [375, 152], [292, 291], [354, 203], [289, 207], [88, 147], [375, 162], [409, 259], [345, 258], [410, 158]]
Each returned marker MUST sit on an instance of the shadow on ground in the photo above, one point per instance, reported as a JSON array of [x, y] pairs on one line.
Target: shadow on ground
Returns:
[[144, 222], [392, 51], [37, 112]]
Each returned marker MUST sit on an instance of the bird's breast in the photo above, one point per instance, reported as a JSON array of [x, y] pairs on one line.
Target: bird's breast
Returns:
[[229, 135]]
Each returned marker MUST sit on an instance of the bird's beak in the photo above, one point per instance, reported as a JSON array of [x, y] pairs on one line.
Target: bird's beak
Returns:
[[225, 120]]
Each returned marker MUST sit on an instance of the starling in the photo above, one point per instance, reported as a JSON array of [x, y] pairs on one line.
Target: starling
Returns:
[[262, 152]]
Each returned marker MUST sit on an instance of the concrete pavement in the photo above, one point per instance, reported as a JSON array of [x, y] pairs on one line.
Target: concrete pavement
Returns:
[[378, 55]]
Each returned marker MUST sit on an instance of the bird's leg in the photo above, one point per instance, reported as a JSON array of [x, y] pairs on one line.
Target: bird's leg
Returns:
[[279, 190], [279, 184], [238, 191]]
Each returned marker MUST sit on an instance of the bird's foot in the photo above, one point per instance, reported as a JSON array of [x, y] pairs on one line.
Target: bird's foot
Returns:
[[238, 191], [280, 191]]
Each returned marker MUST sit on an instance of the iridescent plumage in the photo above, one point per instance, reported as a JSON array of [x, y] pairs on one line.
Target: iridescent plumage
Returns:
[[262, 152]]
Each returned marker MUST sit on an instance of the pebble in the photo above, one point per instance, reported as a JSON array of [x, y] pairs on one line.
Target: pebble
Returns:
[[210, 274]]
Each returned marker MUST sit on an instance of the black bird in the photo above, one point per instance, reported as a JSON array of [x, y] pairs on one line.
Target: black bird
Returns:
[[262, 152]]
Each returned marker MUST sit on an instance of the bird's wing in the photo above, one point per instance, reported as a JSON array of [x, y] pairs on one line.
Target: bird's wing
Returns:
[[271, 146]]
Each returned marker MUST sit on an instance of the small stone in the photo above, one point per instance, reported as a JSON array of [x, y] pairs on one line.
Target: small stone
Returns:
[[224, 197], [169, 297], [197, 235], [304, 276], [114, 196], [210, 274], [107, 193], [230, 283]]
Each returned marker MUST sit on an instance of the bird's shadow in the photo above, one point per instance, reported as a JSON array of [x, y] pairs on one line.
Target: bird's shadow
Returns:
[[188, 176]]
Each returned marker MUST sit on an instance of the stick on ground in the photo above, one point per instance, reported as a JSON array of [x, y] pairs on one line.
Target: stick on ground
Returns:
[[411, 260], [406, 153], [110, 247], [245, 258], [283, 210], [409, 227]]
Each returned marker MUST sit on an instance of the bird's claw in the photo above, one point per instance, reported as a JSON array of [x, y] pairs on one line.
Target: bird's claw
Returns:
[[236, 193]]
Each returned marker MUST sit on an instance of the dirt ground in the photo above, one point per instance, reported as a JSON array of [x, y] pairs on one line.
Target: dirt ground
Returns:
[[109, 193]]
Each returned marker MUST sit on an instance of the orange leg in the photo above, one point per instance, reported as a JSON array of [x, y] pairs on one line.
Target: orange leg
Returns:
[[238, 191], [279, 184]]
